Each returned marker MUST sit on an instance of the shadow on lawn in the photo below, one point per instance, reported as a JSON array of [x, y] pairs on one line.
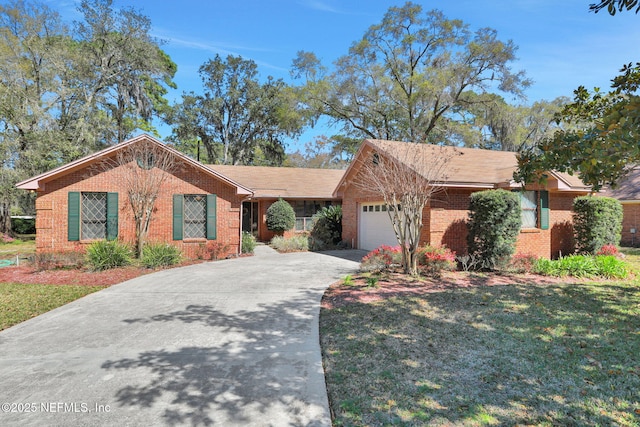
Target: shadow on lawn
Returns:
[[520, 354], [254, 365]]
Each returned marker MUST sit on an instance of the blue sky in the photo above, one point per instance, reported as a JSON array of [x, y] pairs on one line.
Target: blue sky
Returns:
[[561, 44]]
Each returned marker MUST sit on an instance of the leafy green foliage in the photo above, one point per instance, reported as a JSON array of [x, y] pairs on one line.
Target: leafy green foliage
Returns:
[[326, 231], [396, 82], [280, 216], [600, 139], [585, 266], [248, 243], [297, 243], [494, 224], [23, 226], [156, 255], [612, 4], [236, 118], [106, 254], [597, 221]]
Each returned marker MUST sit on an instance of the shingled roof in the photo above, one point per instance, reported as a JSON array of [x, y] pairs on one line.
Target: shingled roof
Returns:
[[628, 189], [468, 167], [290, 183]]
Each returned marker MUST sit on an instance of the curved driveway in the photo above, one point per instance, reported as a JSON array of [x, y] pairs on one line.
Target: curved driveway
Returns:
[[225, 343]]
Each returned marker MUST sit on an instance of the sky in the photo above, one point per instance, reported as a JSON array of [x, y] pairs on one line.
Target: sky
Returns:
[[561, 44]]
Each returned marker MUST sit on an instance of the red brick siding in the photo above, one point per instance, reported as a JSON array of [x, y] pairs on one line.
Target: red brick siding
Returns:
[[51, 207], [630, 219], [445, 223]]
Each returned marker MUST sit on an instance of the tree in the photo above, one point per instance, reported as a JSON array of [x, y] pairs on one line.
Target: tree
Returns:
[[142, 168], [410, 78], [406, 176], [324, 153], [280, 216], [602, 142], [237, 114], [612, 4]]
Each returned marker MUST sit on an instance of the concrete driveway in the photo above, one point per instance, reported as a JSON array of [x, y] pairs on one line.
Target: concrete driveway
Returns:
[[225, 343]]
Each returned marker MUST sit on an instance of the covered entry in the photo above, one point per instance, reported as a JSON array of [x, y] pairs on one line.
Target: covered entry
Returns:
[[375, 226]]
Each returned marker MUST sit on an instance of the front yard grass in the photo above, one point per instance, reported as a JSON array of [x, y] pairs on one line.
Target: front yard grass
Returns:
[[516, 354], [19, 302]]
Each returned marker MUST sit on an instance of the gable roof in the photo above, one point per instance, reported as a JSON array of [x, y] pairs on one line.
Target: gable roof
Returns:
[[468, 167], [291, 183], [37, 182]]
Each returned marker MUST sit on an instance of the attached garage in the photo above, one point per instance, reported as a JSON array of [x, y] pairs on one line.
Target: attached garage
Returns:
[[376, 228]]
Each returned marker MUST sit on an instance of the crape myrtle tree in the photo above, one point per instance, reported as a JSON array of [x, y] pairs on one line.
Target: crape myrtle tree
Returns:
[[412, 77], [406, 176], [141, 168], [237, 116]]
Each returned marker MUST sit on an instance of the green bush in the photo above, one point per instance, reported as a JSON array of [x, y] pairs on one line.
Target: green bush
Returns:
[[106, 254], [23, 225], [280, 216], [248, 243], [597, 221], [160, 255], [298, 243], [607, 266], [326, 231], [494, 224]]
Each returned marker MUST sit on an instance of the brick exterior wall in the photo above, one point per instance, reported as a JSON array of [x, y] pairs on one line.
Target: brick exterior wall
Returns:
[[445, 222], [630, 219], [52, 209]]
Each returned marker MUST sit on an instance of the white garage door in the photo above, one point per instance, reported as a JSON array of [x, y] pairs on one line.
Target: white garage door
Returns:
[[375, 226]]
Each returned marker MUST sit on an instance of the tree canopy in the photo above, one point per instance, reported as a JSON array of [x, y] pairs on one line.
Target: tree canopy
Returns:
[[412, 77], [614, 6], [237, 116]]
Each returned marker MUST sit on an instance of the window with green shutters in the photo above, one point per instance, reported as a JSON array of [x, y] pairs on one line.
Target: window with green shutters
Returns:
[[194, 216], [92, 216], [535, 209]]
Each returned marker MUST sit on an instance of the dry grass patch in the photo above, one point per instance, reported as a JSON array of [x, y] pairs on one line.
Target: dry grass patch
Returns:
[[515, 354]]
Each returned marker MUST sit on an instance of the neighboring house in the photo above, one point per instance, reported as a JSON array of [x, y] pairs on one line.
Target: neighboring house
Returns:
[[85, 200], [628, 193], [547, 210], [306, 190]]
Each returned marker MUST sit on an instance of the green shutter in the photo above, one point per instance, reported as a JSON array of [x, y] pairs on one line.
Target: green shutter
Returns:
[[544, 210], [178, 202], [73, 217], [211, 217], [112, 216]]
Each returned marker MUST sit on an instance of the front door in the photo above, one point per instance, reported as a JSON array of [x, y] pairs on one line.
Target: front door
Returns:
[[250, 217]]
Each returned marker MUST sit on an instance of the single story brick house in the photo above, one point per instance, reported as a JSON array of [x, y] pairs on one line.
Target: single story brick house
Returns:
[[628, 193], [306, 190], [547, 210], [80, 202], [86, 200]]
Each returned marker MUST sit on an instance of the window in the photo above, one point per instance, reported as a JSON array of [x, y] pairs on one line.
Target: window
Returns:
[[92, 216], [535, 209], [529, 207], [194, 216], [305, 209]]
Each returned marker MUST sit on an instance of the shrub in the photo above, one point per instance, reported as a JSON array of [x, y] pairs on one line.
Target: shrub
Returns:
[[608, 250], [213, 250], [106, 254], [5, 238], [597, 222], [326, 230], [494, 224], [248, 242], [280, 216], [381, 258], [160, 255], [523, 263], [583, 266], [436, 260], [298, 243], [23, 225], [59, 260]]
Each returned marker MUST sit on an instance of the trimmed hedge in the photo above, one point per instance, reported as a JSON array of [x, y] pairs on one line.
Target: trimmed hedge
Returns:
[[597, 221], [280, 216], [494, 224]]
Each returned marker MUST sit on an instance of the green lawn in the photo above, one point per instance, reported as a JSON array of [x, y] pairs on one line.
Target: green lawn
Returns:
[[19, 302], [17, 247], [518, 354]]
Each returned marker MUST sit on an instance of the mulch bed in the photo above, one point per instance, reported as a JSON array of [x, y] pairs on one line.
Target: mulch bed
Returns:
[[395, 284], [29, 275]]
